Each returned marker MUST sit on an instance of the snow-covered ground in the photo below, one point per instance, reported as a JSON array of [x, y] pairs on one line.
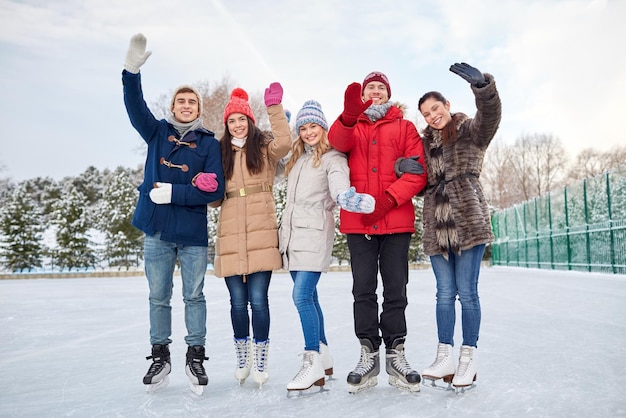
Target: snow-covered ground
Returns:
[[552, 344]]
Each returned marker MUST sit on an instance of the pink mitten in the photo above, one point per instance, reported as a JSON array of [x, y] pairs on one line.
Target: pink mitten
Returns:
[[207, 182], [273, 94]]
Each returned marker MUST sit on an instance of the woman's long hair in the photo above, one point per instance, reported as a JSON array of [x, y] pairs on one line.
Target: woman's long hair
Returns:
[[253, 148], [449, 132], [297, 149]]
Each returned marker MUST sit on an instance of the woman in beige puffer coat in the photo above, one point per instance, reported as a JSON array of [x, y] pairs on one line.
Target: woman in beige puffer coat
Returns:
[[247, 230]]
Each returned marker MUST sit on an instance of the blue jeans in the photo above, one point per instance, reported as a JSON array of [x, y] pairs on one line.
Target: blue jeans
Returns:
[[458, 276], [252, 291], [304, 296], [160, 261]]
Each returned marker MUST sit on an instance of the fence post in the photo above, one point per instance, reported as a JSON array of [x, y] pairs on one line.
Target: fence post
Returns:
[[537, 232], [587, 238], [525, 224], [611, 232], [569, 246], [550, 227]]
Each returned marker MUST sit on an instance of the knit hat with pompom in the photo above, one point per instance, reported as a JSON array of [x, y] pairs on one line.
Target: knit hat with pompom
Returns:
[[238, 104], [311, 112]]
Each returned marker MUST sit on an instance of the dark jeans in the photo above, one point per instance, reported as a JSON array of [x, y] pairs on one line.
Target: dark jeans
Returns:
[[253, 292], [390, 254]]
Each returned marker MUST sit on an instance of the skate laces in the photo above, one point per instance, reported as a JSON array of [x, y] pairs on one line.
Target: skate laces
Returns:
[[157, 364], [261, 355], [307, 362], [464, 361], [196, 367], [442, 355], [366, 362], [241, 347], [400, 363]]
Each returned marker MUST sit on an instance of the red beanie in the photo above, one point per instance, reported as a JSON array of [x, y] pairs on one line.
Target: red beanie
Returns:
[[238, 104], [376, 76]]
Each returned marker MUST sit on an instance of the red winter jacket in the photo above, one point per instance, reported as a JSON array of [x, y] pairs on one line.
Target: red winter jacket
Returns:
[[372, 149]]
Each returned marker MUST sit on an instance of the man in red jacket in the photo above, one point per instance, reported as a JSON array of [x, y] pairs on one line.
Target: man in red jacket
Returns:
[[374, 134]]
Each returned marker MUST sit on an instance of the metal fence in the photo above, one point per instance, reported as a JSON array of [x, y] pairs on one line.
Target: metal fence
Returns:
[[581, 228]]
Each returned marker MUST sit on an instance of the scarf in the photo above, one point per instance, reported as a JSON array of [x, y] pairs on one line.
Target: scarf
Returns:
[[183, 128], [375, 112], [238, 142]]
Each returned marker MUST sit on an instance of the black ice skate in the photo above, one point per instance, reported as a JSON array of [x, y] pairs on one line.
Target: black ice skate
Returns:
[[364, 374], [401, 375], [195, 370], [160, 368]]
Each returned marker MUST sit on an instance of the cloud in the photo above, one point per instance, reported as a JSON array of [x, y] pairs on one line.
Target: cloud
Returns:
[[558, 64]]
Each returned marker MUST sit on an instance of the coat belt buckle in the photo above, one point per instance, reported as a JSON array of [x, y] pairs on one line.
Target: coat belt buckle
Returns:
[[242, 192]]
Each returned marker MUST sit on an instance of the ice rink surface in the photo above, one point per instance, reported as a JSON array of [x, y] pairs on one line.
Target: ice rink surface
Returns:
[[552, 344]]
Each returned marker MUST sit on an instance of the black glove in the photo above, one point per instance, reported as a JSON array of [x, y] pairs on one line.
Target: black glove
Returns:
[[409, 165], [470, 74]]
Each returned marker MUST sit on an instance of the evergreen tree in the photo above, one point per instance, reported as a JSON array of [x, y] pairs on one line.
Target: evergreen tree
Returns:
[[212, 218], [340, 247], [123, 245], [71, 217], [45, 191], [416, 247], [20, 224]]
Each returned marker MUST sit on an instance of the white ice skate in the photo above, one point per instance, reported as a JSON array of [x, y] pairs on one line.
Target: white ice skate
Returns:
[[466, 372], [260, 372], [242, 349], [442, 369], [327, 361], [311, 374]]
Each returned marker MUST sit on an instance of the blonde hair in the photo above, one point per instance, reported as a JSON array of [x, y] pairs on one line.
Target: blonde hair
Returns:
[[297, 149]]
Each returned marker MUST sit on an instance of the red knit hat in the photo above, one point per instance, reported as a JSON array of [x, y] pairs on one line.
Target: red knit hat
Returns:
[[238, 104], [376, 76]]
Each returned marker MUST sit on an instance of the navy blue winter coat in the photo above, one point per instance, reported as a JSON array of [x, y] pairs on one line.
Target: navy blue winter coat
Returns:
[[184, 221]]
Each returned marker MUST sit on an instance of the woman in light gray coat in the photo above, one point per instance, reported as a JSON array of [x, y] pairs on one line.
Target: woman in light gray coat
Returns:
[[317, 180]]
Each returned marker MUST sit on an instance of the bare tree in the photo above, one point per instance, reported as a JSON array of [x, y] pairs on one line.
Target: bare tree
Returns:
[[539, 164], [215, 96], [497, 175], [590, 162]]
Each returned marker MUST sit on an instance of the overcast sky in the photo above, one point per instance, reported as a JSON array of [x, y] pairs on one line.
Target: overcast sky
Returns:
[[559, 65]]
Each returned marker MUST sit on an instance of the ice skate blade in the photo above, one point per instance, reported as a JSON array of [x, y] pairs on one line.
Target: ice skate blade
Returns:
[[459, 390], [304, 393], [435, 384], [399, 384], [369, 383], [153, 387], [197, 389]]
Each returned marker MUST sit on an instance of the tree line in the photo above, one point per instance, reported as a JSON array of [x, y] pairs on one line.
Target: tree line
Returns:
[[85, 221]]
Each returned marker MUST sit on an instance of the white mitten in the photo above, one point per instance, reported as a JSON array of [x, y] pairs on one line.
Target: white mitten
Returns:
[[352, 201], [161, 194], [136, 55]]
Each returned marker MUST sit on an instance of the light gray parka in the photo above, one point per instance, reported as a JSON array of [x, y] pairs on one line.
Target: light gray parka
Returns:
[[307, 229]]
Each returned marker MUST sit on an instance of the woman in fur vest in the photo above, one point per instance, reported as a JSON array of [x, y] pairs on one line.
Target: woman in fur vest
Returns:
[[456, 218]]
